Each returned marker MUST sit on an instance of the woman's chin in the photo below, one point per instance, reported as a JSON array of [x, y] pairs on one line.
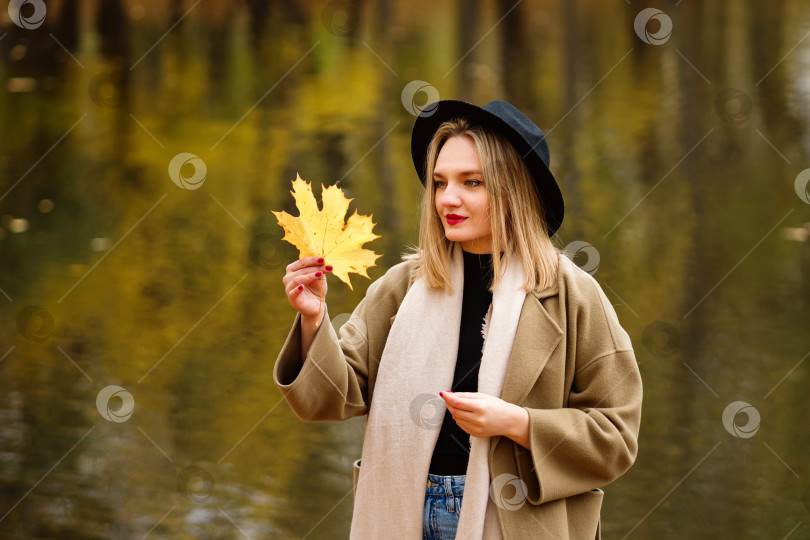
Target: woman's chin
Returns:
[[454, 237]]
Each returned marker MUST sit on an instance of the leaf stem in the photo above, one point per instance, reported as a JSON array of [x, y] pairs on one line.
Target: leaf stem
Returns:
[[320, 302]]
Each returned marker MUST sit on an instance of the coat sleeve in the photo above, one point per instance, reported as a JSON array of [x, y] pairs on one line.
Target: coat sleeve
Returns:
[[335, 380], [594, 439]]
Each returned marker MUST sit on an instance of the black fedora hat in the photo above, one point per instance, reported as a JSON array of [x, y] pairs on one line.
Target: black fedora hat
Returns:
[[506, 119]]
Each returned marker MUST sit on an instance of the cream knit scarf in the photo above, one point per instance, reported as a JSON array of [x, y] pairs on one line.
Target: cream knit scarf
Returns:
[[406, 413]]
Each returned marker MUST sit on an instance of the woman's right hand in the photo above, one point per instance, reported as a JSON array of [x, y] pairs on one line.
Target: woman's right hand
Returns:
[[305, 284]]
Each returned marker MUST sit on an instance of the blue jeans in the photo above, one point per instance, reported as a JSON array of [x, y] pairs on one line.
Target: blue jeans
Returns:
[[442, 507]]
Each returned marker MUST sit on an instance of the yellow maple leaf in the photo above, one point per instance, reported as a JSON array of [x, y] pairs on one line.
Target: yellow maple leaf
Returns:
[[323, 233]]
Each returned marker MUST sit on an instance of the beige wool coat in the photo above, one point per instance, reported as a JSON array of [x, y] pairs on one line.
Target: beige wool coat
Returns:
[[571, 367]]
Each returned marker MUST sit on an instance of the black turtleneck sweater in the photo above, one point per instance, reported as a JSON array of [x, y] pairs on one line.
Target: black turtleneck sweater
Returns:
[[451, 453]]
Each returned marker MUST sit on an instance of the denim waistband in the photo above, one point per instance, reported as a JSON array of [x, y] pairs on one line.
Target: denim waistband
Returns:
[[445, 485]]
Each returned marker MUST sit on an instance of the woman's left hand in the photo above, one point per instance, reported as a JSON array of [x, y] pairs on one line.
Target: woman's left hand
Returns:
[[482, 415]]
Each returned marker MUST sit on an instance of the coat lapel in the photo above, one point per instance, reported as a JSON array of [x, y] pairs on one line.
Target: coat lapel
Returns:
[[536, 337]]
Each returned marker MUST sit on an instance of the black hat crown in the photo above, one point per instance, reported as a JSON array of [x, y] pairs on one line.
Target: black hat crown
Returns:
[[521, 123]]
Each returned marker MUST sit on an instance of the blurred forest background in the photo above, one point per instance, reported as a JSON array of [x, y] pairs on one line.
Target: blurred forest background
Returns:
[[683, 160]]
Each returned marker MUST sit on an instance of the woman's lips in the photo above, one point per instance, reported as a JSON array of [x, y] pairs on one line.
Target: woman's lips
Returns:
[[453, 220]]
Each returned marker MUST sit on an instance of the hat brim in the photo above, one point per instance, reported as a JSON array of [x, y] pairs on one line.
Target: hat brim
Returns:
[[434, 114]]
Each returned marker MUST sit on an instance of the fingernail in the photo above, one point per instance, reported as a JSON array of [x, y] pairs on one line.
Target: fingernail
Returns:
[[300, 287], [320, 260], [329, 268], [441, 394], [317, 274]]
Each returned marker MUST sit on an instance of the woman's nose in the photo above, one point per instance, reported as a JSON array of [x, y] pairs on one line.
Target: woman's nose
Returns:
[[449, 198]]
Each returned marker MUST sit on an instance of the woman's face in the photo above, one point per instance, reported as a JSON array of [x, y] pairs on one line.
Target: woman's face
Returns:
[[461, 197]]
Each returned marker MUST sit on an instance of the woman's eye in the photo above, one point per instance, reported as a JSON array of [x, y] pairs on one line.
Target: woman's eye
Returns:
[[469, 183]]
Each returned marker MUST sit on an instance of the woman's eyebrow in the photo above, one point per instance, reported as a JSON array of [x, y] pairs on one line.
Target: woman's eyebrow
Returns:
[[462, 173]]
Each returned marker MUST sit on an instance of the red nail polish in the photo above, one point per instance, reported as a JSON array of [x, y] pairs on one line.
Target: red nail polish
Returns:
[[329, 268], [441, 394], [320, 260], [317, 274], [300, 287]]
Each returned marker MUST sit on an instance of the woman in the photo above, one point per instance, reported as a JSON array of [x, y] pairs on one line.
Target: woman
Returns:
[[500, 388]]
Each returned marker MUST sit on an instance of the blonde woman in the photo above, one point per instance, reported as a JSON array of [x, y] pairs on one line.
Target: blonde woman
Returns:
[[500, 388]]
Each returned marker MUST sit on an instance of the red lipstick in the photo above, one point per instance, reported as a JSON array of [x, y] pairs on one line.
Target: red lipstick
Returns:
[[453, 219]]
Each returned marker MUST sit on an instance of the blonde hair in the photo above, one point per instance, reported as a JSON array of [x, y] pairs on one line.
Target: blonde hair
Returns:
[[516, 214]]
